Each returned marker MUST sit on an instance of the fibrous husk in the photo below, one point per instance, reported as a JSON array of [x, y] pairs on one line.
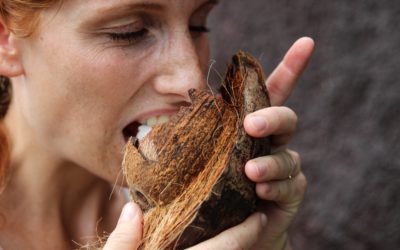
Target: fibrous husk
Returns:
[[188, 174]]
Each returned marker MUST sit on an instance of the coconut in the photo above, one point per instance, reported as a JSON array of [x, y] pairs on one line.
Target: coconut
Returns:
[[188, 174]]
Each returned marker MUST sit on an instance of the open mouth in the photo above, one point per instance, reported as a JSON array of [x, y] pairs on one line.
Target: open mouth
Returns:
[[140, 130]]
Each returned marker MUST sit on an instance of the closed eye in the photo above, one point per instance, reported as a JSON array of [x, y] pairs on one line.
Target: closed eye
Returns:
[[131, 37]]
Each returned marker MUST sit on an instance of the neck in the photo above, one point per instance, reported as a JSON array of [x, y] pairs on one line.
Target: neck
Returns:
[[48, 193]]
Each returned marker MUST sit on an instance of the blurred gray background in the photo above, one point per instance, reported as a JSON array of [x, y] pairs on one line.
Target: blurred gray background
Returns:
[[348, 102]]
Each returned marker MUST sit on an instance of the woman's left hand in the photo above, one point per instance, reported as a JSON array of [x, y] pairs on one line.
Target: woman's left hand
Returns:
[[280, 183]]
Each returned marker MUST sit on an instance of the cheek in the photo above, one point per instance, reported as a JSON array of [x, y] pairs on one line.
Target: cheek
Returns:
[[96, 99], [81, 102]]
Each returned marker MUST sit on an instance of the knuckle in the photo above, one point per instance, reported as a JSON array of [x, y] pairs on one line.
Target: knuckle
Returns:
[[296, 160], [302, 183], [287, 164], [280, 117], [274, 88], [279, 191], [275, 169], [295, 156], [274, 118], [289, 115], [118, 238], [293, 116], [263, 191], [124, 236], [259, 228], [288, 70]]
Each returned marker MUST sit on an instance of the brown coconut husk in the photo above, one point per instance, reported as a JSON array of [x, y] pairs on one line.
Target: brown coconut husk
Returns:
[[188, 174]]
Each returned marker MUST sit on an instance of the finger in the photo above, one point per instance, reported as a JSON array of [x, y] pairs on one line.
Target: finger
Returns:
[[242, 236], [284, 191], [282, 80], [278, 166], [271, 121], [128, 232]]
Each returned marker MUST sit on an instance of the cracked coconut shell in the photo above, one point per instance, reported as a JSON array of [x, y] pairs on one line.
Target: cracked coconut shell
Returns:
[[188, 174]]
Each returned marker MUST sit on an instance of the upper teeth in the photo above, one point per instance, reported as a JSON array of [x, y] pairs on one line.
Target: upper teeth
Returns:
[[145, 128], [155, 120]]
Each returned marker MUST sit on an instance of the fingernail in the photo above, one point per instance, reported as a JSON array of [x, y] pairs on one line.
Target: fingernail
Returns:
[[254, 169], [128, 213], [260, 170], [264, 219], [258, 123]]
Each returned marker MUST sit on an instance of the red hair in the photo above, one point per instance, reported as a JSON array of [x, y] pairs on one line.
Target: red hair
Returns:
[[21, 18], [4, 156]]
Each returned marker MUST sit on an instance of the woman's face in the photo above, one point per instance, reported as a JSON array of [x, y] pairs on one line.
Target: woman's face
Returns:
[[96, 69]]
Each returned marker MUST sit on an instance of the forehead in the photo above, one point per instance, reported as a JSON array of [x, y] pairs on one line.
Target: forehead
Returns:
[[77, 9], [111, 4]]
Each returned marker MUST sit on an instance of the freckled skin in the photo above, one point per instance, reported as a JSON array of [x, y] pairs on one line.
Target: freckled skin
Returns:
[[92, 86], [81, 77]]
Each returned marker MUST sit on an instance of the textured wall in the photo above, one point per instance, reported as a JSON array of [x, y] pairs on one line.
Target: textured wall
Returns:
[[348, 102]]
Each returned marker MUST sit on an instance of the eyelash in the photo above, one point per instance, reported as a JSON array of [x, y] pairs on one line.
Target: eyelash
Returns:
[[136, 36], [131, 37]]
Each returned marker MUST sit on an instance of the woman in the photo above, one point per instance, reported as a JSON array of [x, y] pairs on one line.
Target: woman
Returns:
[[84, 75]]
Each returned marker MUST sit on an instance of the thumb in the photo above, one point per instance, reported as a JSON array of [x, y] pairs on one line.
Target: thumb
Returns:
[[128, 232], [242, 236]]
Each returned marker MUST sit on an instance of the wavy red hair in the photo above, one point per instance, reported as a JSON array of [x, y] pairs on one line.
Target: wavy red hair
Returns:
[[21, 16]]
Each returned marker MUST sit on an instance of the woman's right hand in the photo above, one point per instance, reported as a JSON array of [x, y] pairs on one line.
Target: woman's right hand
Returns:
[[127, 235]]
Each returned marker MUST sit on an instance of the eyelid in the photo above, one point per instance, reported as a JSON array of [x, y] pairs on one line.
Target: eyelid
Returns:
[[130, 33], [126, 28]]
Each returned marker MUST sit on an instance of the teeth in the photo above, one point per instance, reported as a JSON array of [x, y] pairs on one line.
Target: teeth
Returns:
[[143, 130], [151, 122], [156, 120], [163, 119]]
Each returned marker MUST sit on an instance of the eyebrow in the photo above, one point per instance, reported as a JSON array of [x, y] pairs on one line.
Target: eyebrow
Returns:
[[105, 13], [145, 6], [108, 12], [140, 6]]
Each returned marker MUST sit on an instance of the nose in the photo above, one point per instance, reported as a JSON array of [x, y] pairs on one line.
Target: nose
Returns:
[[181, 66]]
